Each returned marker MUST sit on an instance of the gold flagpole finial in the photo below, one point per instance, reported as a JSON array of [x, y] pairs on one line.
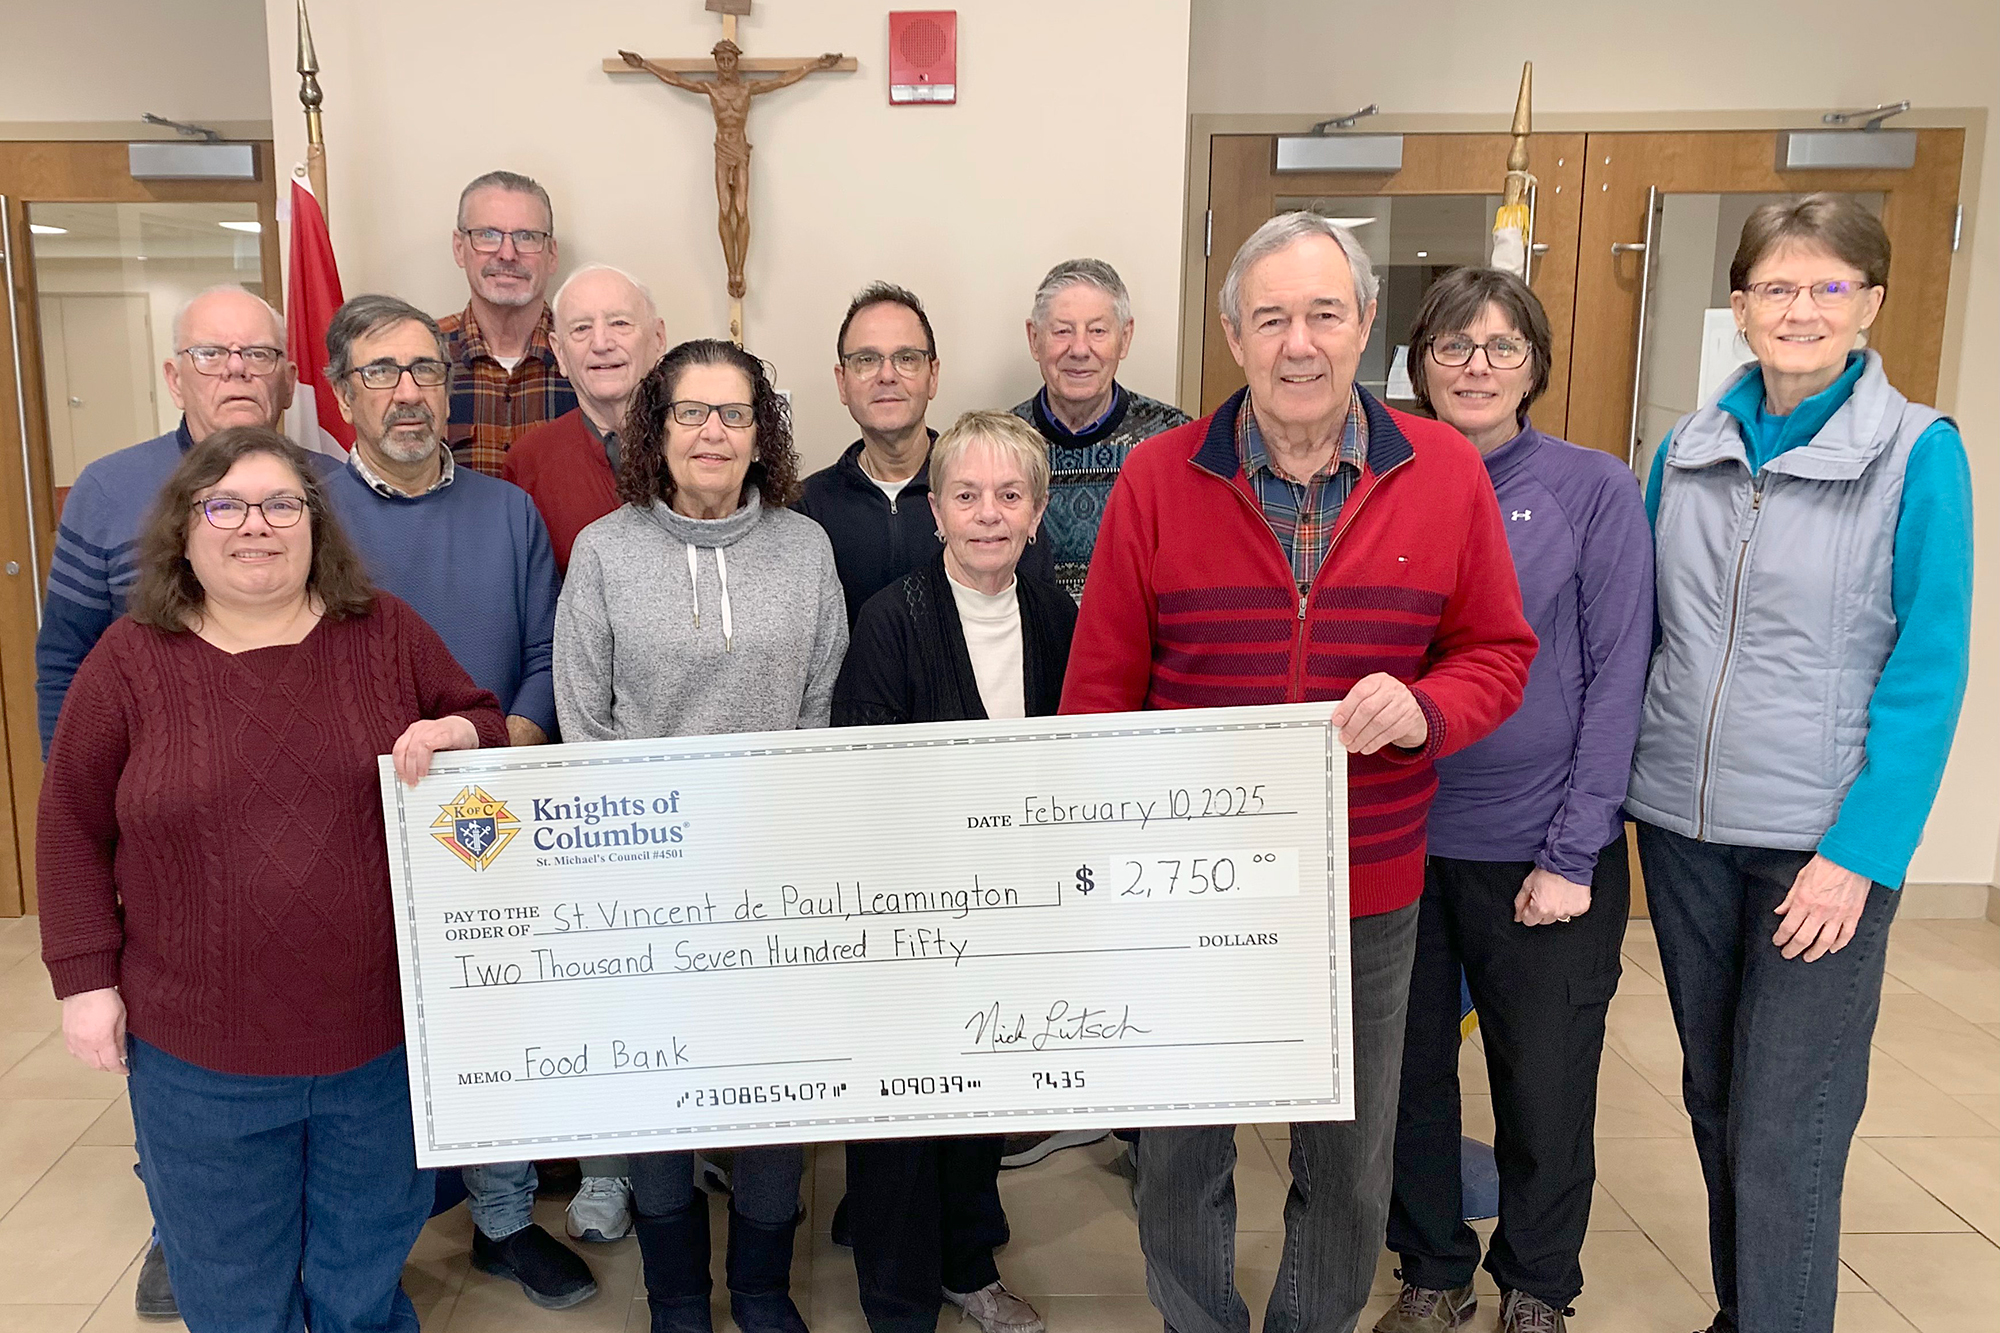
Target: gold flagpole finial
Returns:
[[310, 98], [1517, 156]]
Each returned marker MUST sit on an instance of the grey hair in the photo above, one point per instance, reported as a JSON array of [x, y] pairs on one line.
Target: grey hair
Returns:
[[645, 292], [180, 315], [1086, 272], [363, 315], [507, 180], [1285, 230], [1005, 432]]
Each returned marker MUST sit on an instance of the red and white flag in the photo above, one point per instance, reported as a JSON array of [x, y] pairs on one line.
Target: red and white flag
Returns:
[[312, 294]]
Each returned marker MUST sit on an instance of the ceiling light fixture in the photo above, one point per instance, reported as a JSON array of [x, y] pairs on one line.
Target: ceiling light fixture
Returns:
[[242, 226], [43, 229]]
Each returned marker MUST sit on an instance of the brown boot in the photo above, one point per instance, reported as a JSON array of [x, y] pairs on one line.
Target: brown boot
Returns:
[[1428, 1310]]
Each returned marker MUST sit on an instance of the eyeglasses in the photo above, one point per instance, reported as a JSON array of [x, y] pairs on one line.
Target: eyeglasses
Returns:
[[1501, 353], [736, 416], [425, 373], [908, 361], [212, 359], [1832, 292], [230, 513], [487, 240]]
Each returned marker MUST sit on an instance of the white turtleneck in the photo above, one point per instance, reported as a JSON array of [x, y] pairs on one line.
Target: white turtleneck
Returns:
[[992, 625]]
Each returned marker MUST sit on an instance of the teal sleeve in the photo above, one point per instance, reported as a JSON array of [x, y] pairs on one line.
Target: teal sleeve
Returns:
[[1653, 476], [1913, 713]]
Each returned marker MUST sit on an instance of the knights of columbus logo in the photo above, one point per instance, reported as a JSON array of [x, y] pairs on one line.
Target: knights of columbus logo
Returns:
[[475, 827]]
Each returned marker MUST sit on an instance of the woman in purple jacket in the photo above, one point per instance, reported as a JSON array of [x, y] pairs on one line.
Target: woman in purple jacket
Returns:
[[1527, 885]]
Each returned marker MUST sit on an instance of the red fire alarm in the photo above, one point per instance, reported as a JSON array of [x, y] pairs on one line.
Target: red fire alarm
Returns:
[[923, 56]]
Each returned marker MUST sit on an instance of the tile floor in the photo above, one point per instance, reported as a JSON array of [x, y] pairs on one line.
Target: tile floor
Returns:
[[1921, 1249]]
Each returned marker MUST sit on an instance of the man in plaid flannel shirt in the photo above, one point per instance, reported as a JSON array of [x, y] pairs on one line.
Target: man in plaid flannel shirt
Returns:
[[504, 373]]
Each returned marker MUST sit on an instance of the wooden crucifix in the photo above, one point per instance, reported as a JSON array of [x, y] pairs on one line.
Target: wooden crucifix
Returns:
[[729, 94]]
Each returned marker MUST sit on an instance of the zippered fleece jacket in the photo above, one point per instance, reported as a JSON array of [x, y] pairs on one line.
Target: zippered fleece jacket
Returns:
[[1190, 603]]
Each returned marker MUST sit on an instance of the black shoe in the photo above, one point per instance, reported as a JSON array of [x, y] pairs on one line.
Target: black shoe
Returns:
[[674, 1255], [760, 1276], [155, 1296], [558, 1178], [843, 1225], [554, 1276]]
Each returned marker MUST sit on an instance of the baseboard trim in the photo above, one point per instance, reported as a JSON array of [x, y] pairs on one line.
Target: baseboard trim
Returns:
[[1948, 901]]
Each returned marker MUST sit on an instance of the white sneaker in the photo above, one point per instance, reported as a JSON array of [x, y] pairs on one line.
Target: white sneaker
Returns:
[[1026, 1149], [996, 1310], [602, 1209]]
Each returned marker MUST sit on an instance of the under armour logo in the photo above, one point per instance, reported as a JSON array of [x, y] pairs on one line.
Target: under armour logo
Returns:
[[1520, 514]]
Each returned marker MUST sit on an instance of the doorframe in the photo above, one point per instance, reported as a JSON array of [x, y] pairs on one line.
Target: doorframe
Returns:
[[1204, 127]]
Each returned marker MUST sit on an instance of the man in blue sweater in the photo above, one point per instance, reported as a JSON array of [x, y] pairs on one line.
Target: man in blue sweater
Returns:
[[228, 369], [470, 553]]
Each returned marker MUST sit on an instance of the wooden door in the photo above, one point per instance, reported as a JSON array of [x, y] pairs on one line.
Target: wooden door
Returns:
[[37, 182], [1458, 174], [1628, 174]]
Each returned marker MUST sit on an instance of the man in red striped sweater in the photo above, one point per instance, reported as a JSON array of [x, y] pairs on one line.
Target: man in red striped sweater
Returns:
[[1306, 542]]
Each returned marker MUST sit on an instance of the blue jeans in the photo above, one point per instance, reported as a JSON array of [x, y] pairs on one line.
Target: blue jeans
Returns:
[[1338, 1208], [282, 1202], [501, 1196], [1775, 1069]]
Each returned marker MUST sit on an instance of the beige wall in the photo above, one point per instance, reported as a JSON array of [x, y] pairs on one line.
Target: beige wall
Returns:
[[967, 205], [102, 61], [1605, 65]]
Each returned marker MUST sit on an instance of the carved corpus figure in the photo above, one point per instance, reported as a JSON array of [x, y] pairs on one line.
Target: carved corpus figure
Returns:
[[729, 95]]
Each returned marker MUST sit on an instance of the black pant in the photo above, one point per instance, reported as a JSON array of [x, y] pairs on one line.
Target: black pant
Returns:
[[926, 1216], [1541, 993]]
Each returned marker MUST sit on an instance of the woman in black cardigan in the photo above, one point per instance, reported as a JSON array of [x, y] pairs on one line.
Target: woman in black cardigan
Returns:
[[961, 638]]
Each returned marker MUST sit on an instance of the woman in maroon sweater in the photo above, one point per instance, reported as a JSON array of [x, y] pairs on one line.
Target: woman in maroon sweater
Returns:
[[214, 887]]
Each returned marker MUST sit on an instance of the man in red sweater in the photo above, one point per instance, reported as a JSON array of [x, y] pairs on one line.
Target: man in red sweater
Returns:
[[608, 334], [1306, 542]]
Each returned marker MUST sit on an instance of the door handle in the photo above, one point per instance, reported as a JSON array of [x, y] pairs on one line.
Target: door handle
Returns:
[[1644, 249], [21, 414]]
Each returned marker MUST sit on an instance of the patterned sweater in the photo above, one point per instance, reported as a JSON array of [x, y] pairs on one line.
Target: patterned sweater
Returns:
[[1083, 466], [210, 836]]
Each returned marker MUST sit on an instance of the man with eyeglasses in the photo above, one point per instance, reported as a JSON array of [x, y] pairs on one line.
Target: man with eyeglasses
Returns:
[[506, 377], [470, 553], [228, 369], [608, 335], [872, 501]]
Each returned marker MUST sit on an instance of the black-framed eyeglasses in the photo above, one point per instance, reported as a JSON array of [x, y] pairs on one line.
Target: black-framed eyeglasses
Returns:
[[229, 513], [487, 240], [688, 412], [425, 372], [908, 361], [1502, 353], [213, 358]]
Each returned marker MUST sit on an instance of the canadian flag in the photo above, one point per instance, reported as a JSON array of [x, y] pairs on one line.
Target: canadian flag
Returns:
[[312, 294]]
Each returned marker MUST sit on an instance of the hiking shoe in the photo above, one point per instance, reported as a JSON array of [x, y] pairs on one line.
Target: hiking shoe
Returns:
[[1428, 1310], [1522, 1313], [996, 1309], [554, 1276], [601, 1210], [1026, 1149], [154, 1298]]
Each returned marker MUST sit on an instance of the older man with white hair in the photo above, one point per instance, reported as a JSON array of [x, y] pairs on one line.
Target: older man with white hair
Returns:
[[608, 334], [1306, 542], [1079, 331]]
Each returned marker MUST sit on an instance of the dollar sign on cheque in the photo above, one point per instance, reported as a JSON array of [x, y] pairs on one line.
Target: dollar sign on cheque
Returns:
[[1084, 882]]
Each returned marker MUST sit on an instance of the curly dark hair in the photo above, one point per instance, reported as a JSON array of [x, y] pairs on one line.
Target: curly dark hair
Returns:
[[169, 596], [643, 476]]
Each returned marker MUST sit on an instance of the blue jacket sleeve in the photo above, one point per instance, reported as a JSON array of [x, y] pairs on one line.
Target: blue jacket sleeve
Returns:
[[78, 610], [1653, 476], [1615, 607], [535, 700], [1913, 713]]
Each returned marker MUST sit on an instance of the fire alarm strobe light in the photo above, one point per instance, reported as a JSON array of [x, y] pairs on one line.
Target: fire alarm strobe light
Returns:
[[923, 56]]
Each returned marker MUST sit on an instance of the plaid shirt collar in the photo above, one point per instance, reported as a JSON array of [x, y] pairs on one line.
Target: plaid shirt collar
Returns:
[[1255, 457], [473, 343], [373, 481]]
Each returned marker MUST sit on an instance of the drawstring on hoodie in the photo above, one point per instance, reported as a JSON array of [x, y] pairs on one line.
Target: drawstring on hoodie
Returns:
[[694, 588]]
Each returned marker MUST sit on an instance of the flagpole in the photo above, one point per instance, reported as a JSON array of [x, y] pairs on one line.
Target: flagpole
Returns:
[[310, 98]]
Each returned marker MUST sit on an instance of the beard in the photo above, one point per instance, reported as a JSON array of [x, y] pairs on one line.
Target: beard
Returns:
[[409, 449], [500, 268]]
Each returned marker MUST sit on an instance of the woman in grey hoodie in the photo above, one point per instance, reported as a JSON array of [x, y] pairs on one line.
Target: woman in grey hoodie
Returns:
[[702, 606]]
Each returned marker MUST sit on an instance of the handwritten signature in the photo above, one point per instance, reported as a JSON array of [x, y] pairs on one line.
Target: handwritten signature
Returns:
[[1063, 1025]]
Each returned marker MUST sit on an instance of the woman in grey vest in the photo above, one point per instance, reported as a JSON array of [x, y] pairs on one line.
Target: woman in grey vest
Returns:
[[698, 607], [1813, 534]]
